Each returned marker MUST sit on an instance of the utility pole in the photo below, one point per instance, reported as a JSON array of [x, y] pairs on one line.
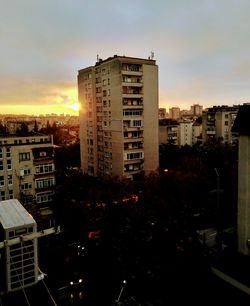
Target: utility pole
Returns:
[[218, 219]]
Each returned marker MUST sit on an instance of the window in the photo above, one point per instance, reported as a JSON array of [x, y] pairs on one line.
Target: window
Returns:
[[2, 195], [11, 194], [9, 164], [43, 154], [45, 168], [26, 186], [131, 156], [135, 112], [1, 165], [1, 153], [45, 183], [1, 181], [26, 171], [24, 156], [44, 197], [137, 123], [10, 180], [8, 153]]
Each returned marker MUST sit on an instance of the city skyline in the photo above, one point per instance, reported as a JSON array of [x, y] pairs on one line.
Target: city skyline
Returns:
[[201, 49]]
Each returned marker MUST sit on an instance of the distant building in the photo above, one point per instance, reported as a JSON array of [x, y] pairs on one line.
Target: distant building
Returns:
[[185, 132], [196, 110], [119, 117], [174, 113], [168, 132], [196, 133], [27, 169], [217, 122], [162, 113]]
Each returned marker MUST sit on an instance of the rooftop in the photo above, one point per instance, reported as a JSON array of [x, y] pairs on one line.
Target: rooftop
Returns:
[[13, 214], [241, 123]]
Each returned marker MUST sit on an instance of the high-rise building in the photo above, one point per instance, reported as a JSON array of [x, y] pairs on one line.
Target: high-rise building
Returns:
[[174, 113], [27, 170], [119, 117], [196, 110]]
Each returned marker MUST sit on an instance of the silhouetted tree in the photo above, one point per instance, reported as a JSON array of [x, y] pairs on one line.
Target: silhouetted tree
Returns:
[[35, 127]]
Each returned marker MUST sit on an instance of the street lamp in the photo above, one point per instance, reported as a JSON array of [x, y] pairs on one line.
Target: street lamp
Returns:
[[122, 288]]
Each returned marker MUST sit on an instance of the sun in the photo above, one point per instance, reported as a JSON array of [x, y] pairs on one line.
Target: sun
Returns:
[[74, 106]]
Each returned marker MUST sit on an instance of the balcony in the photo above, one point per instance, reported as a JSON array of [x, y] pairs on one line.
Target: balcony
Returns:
[[134, 84], [211, 132], [133, 146], [130, 72], [132, 128]]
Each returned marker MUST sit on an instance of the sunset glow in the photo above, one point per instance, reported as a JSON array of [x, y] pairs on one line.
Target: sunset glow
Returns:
[[74, 106]]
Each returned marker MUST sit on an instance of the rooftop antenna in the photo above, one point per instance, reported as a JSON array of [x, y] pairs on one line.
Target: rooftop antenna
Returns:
[[152, 55], [97, 58]]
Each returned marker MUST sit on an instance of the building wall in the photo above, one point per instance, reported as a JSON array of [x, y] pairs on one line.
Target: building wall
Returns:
[[114, 83], [243, 226], [150, 100], [185, 133], [196, 132], [217, 123], [174, 113], [163, 135], [27, 169]]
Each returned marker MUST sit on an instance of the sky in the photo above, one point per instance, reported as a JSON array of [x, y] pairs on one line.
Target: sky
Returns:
[[202, 48]]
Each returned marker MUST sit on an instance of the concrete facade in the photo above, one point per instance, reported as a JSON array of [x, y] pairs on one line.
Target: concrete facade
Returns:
[[185, 132], [217, 123], [244, 195], [242, 128], [119, 117], [27, 170]]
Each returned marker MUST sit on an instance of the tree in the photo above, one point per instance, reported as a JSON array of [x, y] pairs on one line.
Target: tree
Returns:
[[35, 127]]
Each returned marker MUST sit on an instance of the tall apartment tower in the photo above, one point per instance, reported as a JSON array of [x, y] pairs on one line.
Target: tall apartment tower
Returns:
[[119, 117], [174, 113]]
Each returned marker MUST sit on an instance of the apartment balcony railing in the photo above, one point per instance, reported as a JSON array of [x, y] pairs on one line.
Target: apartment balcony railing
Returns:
[[130, 72]]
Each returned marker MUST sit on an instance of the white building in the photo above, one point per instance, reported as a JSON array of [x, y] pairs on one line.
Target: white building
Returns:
[[18, 262], [185, 132]]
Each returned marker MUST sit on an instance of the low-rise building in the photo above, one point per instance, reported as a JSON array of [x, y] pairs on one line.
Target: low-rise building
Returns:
[[217, 123], [168, 132], [27, 169]]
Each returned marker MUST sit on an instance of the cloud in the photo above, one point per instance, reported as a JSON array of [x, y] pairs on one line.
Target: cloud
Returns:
[[28, 92], [202, 47]]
